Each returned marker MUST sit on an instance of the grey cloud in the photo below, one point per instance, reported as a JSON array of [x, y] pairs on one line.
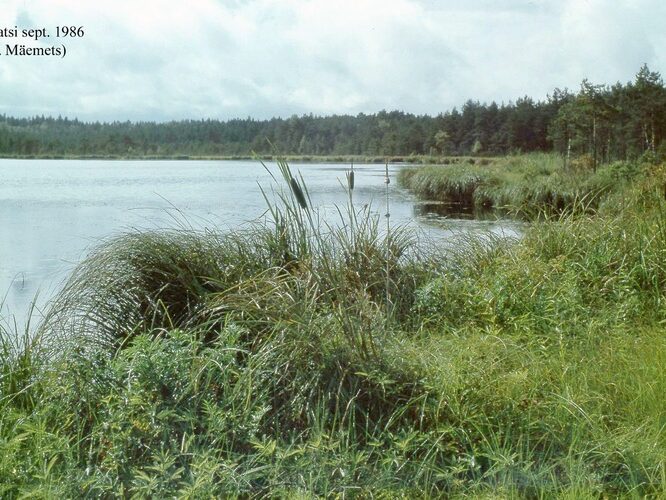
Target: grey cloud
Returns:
[[264, 58]]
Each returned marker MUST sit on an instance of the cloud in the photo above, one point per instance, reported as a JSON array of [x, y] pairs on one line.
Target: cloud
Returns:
[[159, 60]]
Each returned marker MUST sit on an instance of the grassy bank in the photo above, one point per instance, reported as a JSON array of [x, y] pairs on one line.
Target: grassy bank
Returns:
[[523, 184], [274, 361]]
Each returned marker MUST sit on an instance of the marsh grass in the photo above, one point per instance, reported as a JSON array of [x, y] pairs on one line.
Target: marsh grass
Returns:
[[529, 186], [261, 363]]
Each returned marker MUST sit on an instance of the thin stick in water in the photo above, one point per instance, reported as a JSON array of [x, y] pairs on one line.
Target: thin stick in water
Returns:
[[387, 181]]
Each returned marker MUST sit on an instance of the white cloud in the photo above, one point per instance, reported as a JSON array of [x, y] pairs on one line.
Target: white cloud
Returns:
[[211, 58]]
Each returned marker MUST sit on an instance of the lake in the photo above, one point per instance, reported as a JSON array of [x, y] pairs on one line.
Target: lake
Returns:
[[52, 212]]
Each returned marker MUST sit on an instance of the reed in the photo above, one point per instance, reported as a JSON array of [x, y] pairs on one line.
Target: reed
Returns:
[[528, 186]]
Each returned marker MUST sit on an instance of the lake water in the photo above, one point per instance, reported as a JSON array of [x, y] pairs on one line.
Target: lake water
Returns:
[[52, 212]]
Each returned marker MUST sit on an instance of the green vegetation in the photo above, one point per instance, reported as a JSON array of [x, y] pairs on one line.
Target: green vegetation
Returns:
[[618, 122], [269, 361], [413, 159], [527, 185]]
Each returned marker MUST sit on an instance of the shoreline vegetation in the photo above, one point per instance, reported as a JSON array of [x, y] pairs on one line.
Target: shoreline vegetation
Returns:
[[269, 361], [529, 186], [356, 159]]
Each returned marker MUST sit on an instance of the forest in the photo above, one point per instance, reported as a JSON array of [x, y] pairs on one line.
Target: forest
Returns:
[[606, 122]]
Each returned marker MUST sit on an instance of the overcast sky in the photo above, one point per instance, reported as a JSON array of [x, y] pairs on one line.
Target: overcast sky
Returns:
[[163, 60]]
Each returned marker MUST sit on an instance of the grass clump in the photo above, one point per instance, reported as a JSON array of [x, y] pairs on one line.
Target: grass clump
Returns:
[[266, 361]]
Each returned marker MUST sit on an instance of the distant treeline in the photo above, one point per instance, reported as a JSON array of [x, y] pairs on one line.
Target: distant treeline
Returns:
[[605, 122]]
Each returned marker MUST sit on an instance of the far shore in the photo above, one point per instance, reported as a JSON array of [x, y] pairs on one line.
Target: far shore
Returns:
[[359, 159]]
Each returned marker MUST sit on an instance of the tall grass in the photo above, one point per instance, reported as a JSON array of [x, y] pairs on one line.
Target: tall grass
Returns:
[[260, 362], [526, 185]]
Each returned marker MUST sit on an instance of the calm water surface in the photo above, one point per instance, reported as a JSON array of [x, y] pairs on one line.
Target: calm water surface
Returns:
[[52, 212]]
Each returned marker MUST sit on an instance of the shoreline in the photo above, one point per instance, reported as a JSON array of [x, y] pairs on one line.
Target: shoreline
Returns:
[[359, 159], [174, 354]]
